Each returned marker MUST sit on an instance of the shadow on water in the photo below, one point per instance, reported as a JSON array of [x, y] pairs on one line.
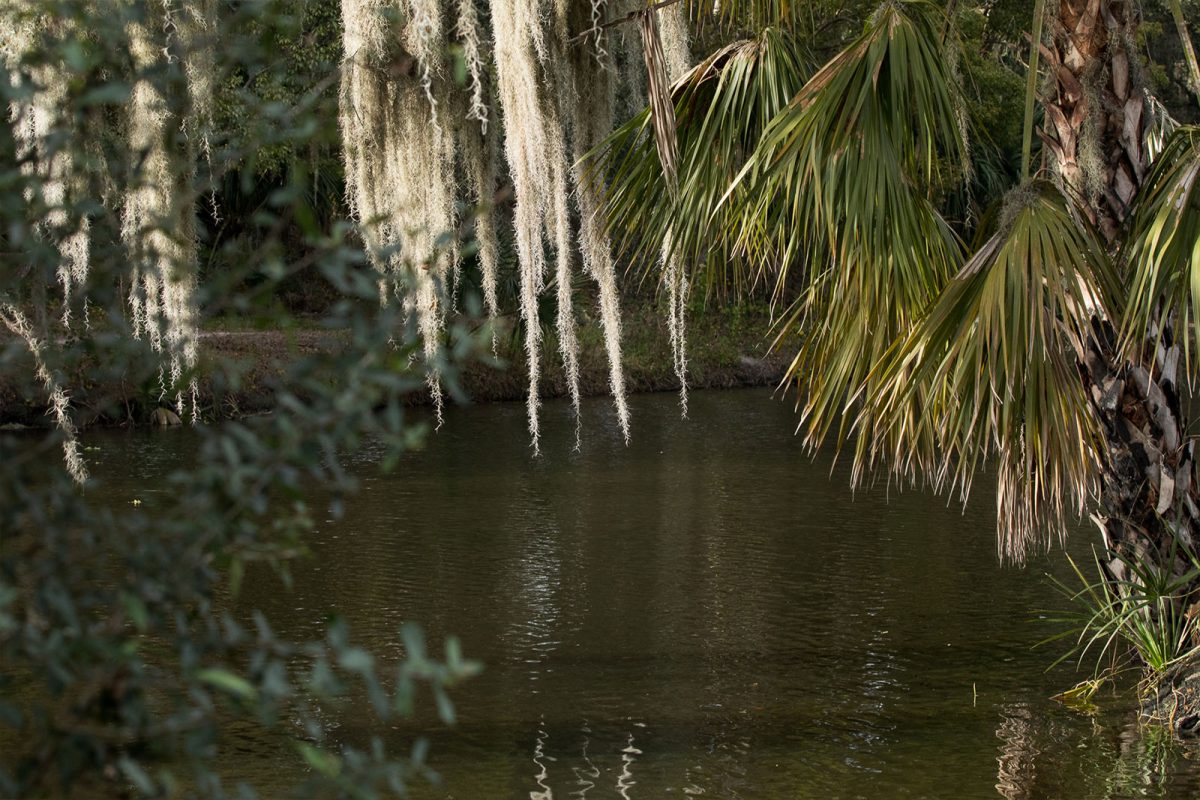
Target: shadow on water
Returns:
[[707, 612]]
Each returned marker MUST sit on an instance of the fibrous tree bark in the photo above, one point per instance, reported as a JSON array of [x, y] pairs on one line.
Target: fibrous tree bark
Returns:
[[1095, 106], [1097, 109]]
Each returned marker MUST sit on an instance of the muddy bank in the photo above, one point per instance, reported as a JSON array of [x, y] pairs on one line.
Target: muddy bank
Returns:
[[726, 349]]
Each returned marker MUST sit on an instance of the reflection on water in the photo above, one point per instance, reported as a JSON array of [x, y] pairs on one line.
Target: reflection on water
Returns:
[[705, 613], [539, 759], [587, 773], [1018, 753], [625, 781]]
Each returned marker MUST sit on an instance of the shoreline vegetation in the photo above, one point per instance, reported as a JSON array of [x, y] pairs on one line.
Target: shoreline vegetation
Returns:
[[730, 348]]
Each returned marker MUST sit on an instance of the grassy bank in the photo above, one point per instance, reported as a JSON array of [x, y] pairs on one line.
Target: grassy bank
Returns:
[[727, 347]]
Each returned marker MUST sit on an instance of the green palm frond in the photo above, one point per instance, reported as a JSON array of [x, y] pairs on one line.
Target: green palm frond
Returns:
[[885, 111], [1161, 252], [842, 184], [991, 371], [722, 107]]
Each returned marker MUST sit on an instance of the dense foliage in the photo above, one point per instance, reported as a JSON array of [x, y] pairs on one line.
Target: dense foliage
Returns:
[[123, 650]]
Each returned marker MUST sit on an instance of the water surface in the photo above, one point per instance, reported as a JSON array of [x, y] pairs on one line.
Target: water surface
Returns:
[[706, 612]]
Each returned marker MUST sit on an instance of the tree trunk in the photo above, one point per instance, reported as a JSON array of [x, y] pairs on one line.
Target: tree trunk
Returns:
[[1149, 507], [1095, 104], [1094, 109]]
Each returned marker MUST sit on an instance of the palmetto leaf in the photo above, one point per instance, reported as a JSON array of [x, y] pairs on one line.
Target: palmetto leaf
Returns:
[[722, 106], [1161, 250], [991, 371], [840, 184]]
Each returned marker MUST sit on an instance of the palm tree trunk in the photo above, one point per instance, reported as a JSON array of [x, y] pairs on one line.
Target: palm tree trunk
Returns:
[[1149, 501], [1094, 107], [1094, 104]]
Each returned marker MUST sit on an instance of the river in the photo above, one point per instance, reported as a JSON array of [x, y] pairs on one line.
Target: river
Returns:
[[708, 611]]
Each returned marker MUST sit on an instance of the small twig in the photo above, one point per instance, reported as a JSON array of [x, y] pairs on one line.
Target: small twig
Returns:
[[630, 17]]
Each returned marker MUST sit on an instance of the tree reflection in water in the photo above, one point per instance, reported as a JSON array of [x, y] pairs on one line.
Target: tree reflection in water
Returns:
[[1120, 758], [1017, 762]]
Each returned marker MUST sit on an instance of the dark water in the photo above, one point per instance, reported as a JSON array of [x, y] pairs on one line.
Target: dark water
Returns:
[[707, 612]]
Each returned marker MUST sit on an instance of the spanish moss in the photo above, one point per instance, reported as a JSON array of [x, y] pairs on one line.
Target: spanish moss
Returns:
[[157, 221], [34, 119], [18, 325], [400, 162], [518, 40], [591, 121]]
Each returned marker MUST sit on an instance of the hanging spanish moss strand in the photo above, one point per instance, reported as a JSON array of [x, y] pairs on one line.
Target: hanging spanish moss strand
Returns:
[[157, 224], [469, 36], [559, 229], [598, 262], [33, 121], [420, 192], [676, 280], [475, 108], [673, 29], [592, 120], [627, 61], [400, 161], [196, 29], [192, 37], [528, 16], [597, 11], [431, 215], [518, 40], [195, 23], [561, 15], [568, 340], [423, 37], [142, 204], [74, 246], [455, 142], [363, 103], [662, 116], [18, 325], [479, 154]]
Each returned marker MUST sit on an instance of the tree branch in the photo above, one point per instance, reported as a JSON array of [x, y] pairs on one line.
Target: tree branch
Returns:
[[630, 17]]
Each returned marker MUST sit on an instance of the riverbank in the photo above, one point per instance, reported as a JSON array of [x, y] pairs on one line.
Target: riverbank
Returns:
[[727, 348]]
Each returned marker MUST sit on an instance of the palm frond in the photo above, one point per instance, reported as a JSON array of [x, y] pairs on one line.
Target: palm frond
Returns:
[[1161, 252], [991, 371], [722, 107], [662, 109], [1159, 126], [841, 184]]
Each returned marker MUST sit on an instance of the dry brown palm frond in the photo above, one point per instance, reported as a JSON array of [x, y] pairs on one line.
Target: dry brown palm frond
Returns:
[[662, 108]]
